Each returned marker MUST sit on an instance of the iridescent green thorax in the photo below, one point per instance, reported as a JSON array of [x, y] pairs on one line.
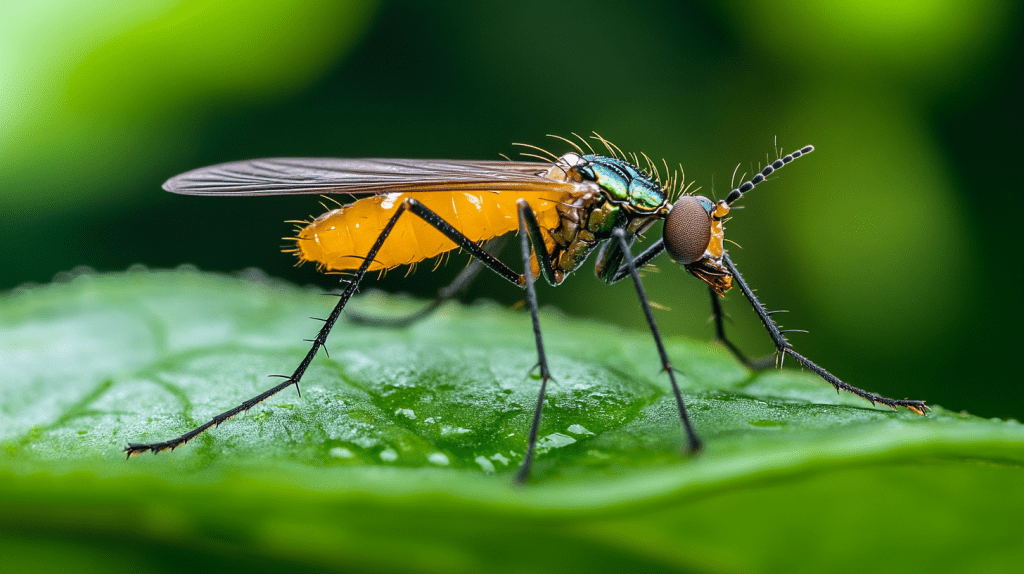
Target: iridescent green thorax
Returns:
[[624, 183], [618, 195]]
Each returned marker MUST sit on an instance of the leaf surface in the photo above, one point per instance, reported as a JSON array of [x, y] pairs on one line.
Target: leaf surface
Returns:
[[400, 451]]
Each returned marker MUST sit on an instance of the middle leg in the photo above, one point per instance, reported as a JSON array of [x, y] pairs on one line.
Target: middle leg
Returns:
[[530, 229], [695, 444]]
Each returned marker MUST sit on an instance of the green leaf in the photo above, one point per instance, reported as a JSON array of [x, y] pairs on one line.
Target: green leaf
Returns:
[[398, 456]]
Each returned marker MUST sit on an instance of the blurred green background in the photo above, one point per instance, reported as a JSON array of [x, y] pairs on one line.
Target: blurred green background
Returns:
[[884, 243]]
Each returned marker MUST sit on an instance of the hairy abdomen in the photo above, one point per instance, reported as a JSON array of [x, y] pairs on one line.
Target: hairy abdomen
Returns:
[[340, 239]]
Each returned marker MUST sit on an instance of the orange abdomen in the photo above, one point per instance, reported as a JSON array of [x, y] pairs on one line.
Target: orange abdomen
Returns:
[[340, 239]]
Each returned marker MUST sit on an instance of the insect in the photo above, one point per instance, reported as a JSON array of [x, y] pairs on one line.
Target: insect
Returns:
[[563, 209]]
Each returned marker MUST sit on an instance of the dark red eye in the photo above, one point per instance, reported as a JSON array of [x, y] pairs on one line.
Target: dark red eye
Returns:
[[687, 230]]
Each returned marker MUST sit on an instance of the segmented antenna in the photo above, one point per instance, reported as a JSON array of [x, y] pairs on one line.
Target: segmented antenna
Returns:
[[777, 164]]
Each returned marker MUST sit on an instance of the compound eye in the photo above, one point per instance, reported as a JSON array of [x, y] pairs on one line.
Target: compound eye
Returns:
[[687, 231]]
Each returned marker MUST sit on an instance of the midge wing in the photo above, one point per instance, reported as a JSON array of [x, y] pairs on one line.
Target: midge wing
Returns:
[[285, 176]]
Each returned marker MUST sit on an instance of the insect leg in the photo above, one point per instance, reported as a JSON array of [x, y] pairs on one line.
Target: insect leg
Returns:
[[620, 237], [529, 229], [462, 282], [783, 346], [412, 205], [719, 316], [640, 261], [481, 254], [318, 342]]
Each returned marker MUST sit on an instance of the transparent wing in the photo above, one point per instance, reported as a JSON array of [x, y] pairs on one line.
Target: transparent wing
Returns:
[[285, 176]]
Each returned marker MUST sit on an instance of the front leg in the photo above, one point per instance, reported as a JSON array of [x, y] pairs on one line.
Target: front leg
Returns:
[[719, 317], [784, 348]]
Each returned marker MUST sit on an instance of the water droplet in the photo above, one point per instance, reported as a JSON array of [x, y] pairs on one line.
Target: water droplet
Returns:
[[363, 441], [578, 429], [340, 452], [554, 440], [485, 464]]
